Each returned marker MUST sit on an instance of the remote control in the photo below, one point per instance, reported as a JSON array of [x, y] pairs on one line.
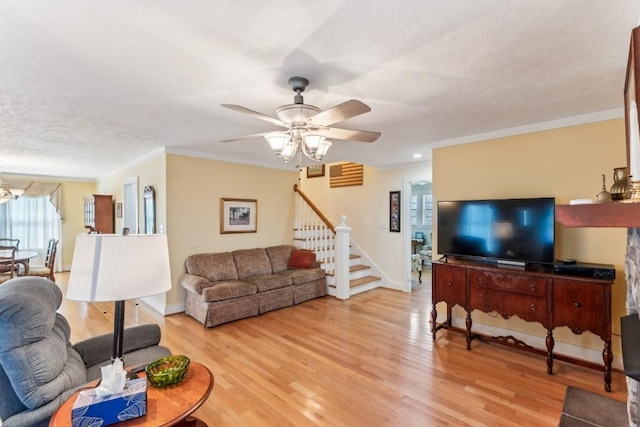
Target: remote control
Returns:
[[139, 368]]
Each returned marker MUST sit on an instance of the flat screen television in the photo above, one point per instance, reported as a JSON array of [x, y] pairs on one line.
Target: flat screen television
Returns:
[[518, 231]]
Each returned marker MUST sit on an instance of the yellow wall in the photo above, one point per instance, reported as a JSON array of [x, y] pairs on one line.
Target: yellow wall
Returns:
[[73, 212], [194, 190], [565, 163]]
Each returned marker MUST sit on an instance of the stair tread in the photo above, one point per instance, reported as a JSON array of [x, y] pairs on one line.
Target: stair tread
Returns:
[[359, 282], [358, 267], [362, 281]]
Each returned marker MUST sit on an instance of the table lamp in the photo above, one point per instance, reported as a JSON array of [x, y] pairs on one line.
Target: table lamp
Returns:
[[112, 267]]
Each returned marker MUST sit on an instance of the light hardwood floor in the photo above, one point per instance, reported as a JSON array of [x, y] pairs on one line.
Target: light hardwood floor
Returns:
[[367, 361]]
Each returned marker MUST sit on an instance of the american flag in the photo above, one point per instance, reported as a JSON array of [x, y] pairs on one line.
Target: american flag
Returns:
[[345, 174]]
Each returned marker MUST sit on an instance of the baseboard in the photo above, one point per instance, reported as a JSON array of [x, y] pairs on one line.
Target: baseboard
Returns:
[[162, 309]]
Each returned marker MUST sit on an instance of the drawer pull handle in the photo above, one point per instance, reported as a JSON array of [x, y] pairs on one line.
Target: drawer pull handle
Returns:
[[480, 297], [532, 287], [480, 280], [533, 307], [576, 304], [449, 284]]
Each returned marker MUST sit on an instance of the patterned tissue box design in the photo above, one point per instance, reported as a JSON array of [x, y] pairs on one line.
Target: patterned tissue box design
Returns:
[[91, 410]]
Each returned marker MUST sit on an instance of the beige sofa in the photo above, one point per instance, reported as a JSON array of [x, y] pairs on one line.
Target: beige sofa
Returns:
[[226, 286]]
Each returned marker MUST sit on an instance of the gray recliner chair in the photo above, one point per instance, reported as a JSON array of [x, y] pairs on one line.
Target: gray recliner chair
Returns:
[[39, 368]]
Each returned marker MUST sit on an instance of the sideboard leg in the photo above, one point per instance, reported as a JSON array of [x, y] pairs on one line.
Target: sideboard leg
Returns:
[[607, 357], [434, 315], [550, 343], [469, 323]]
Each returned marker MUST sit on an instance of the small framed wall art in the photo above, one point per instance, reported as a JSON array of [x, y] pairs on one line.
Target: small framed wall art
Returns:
[[238, 216], [315, 171], [119, 210], [394, 211]]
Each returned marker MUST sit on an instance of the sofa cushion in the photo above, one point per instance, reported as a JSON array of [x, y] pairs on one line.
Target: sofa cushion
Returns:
[[218, 266], [251, 262], [302, 259], [228, 289], [304, 275], [266, 282], [279, 257]]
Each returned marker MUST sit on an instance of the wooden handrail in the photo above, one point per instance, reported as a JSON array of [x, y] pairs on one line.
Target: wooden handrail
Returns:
[[314, 207]]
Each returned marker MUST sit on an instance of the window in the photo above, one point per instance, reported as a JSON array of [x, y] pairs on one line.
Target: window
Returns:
[[32, 220], [414, 210], [427, 211]]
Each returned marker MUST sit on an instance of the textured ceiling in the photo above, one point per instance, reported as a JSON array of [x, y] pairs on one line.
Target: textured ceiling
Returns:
[[86, 87]]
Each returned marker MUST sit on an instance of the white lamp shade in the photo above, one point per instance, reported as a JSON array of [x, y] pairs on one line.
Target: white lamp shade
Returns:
[[289, 150], [16, 192], [313, 141], [113, 267], [323, 148], [277, 140]]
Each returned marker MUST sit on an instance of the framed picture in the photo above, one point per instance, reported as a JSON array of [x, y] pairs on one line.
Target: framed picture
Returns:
[[238, 216], [315, 171], [119, 210], [394, 211], [632, 115]]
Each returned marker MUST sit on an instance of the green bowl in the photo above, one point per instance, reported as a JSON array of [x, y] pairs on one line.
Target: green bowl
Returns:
[[168, 370]]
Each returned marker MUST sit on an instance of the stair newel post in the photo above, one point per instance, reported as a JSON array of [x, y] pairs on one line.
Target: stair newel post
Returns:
[[342, 259]]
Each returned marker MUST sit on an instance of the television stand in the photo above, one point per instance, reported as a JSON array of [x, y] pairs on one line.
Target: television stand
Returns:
[[553, 300]]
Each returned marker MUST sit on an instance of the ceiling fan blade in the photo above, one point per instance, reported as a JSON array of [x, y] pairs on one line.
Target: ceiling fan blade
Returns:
[[255, 114], [349, 134], [340, 112], [255, 135]]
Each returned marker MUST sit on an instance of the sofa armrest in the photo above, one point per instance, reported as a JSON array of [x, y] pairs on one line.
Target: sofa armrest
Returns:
[[194, 283], [98, 349]]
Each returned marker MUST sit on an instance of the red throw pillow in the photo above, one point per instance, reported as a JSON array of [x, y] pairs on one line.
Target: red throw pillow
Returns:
[[301, 259]]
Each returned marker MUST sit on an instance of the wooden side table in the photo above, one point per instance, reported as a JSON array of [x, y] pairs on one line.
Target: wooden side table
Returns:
[[166, 406]]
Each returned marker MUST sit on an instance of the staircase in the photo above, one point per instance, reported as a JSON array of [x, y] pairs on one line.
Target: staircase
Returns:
[[313, 231]]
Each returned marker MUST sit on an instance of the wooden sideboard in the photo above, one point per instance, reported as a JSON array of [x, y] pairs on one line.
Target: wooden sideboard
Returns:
[[98, 213], [553, 300]]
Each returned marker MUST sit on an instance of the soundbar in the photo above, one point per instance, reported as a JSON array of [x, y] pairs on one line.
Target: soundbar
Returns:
[[586, 269]]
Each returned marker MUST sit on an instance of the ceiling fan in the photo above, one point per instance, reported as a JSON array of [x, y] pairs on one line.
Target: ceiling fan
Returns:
[[307, 126]]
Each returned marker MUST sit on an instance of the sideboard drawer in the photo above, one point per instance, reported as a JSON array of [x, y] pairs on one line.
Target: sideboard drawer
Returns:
[[518, 283], [527, 307], [579, 305], [449, 284]]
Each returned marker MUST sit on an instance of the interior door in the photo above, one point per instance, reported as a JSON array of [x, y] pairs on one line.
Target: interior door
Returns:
[[130, 214]]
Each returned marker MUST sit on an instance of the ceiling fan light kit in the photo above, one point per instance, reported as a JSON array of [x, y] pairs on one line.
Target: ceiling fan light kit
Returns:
[[307, 126], [9, 194]]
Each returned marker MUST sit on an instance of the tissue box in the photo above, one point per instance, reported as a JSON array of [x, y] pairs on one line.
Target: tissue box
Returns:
[[90, 409]]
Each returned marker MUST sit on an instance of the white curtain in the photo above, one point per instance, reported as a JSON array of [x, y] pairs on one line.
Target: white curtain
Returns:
[[34, 221]]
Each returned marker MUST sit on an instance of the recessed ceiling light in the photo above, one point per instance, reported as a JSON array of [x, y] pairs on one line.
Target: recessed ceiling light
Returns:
[[417, 156]]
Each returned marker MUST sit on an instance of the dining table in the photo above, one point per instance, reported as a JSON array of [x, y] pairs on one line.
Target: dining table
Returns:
[[22, 257]]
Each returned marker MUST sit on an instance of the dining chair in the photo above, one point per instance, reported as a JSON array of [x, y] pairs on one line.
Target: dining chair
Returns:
[[8, 267], [20, 266], [46, 270], [10, 242]]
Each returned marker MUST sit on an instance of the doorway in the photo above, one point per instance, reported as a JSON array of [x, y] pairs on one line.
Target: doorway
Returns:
[[420, 226], [130, 214]]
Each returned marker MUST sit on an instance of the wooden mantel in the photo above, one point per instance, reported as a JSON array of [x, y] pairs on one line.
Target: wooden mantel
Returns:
[[625, 215]]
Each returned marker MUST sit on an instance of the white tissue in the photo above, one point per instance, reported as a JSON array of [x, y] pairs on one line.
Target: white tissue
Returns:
[[113, 379]]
